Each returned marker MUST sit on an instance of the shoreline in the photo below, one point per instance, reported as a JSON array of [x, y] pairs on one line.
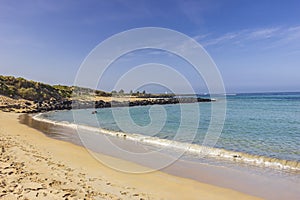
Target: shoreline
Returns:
[[216, 153], [36, 166], [238, 177]]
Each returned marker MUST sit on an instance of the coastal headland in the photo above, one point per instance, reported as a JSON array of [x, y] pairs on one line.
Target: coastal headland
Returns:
[[23, 96]]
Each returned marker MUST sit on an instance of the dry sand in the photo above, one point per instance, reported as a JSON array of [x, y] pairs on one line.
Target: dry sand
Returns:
[[33, 166]]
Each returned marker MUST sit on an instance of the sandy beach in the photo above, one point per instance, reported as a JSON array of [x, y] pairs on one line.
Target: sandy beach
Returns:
[[149, 100], [34, 166]]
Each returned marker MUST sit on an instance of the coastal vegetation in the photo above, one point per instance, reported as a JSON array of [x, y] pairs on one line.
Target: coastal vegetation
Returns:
[[26, 96], [20, 88]]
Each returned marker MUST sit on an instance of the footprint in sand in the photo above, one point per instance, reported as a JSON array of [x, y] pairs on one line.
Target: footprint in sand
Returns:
[[123, 192], [55, 183]]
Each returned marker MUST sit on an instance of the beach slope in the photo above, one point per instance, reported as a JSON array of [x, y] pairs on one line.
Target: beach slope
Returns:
[[33, 166]]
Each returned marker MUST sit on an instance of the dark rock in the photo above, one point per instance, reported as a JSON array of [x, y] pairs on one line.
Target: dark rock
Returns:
[[28, 103]]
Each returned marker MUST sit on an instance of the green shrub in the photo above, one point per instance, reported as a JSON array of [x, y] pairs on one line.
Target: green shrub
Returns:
[[28, 93]]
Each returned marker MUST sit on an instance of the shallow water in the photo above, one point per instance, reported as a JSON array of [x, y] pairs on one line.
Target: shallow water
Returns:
[[259, 126], [260, 138], [267, 183]]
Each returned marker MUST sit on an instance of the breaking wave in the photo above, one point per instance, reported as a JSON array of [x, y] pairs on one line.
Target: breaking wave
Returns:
[[192, 149]]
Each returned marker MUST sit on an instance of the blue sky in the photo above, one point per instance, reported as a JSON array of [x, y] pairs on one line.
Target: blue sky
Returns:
[[255, 44]]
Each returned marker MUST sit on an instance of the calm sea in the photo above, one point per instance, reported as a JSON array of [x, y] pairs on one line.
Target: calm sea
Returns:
[[259, 129]]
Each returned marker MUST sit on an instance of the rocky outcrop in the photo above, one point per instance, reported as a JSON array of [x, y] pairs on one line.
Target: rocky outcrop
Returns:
[[21, 95], [44, 106]]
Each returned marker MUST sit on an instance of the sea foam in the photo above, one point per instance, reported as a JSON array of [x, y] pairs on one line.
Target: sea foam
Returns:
[[192, 149]]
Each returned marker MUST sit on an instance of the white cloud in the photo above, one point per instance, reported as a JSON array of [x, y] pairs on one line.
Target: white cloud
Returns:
[[221, 39], [293, 33], [263, 33], [274, 36]]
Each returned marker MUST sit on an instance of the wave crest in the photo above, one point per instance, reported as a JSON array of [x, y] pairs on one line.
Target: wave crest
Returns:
[[192, 149]]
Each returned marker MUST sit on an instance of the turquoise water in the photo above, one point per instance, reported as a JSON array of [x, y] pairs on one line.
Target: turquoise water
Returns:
[[265, 124]]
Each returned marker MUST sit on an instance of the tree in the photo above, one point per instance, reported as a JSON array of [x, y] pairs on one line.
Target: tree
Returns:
[[121, 91]]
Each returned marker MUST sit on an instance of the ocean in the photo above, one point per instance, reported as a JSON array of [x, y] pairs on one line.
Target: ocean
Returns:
[[261, 133], [262, 124]]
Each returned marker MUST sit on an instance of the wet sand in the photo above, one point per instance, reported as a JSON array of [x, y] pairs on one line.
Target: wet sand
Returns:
[[33, 166], [243, 178]]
